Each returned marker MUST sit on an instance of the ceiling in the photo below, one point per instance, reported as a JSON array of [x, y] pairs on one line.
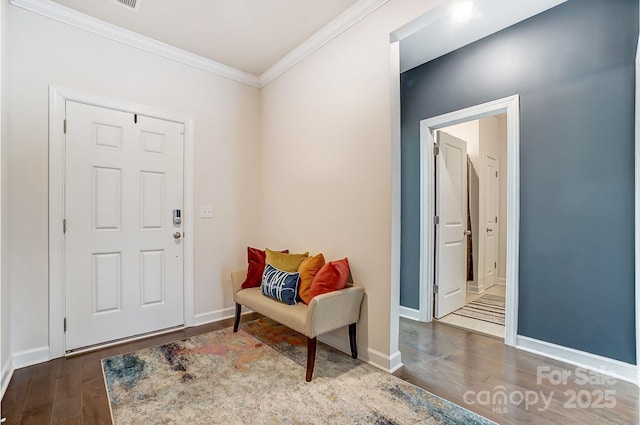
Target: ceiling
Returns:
[[250, 35]]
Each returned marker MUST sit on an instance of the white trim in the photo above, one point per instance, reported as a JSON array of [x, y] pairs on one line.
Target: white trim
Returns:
[[7, 374], [606, 366], [511, 106], [88, 23], [57, 98], [409, 313], [330, 31], [30, 357], [77, 19], [217, 315], [637, 210], [396, 188], [387, 363]]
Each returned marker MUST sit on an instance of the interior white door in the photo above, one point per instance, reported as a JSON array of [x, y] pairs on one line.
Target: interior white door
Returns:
[[124, 255], [490, 232], [451, 239]]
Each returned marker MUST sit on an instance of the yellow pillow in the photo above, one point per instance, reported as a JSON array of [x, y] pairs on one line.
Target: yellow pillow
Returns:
[[285, 262], [308, 270]]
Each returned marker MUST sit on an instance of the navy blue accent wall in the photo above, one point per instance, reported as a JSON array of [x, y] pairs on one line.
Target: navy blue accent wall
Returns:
[[573, 67]]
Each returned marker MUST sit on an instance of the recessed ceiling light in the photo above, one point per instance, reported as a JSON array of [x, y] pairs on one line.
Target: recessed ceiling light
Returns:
[[462, 11]]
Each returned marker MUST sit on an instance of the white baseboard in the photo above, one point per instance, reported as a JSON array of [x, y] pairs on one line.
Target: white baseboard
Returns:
[[409, 313], [30, 357], [217, 315], [606, 366], [475, 288], [7, 373], [368, 355], [502, 281]]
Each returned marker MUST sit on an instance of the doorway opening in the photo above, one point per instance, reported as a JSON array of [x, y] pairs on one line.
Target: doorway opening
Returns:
[[471, 233], [459, 276]]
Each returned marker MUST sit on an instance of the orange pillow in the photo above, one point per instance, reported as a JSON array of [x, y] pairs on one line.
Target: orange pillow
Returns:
[[331, 277], [308, 270]]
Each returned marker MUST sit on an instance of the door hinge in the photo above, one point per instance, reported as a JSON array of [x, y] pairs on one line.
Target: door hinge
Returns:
[[435, 289], [65, 324], [64, 225], [496, 220], [496, 174], [495, 265], [64, 125], [436, 219], [135, 118], [436, 150]]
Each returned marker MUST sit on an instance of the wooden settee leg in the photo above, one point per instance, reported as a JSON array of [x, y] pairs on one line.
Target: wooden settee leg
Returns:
[[352, 340], [238, 313], [311, 357]]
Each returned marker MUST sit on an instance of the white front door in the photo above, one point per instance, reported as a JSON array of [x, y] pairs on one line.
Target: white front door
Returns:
[[123, 265], [490, 231], [451, 209]]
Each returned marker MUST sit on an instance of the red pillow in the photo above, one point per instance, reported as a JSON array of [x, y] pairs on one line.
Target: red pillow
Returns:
[[256, 258], [331, 277]]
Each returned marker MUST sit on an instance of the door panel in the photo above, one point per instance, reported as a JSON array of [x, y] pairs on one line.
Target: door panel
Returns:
[[491, 225], [451, 208], [123, 267]]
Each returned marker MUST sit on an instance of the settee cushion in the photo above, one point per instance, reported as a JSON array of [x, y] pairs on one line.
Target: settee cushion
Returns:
[[280, 285], [286, 262], [293, 316]]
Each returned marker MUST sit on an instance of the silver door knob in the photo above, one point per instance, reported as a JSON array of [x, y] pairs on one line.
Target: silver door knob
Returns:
[[467, 232], [177, 235]]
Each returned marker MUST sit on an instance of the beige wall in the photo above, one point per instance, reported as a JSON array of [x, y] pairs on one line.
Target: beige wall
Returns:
[[226, 132], [326, 170], [319, 180]]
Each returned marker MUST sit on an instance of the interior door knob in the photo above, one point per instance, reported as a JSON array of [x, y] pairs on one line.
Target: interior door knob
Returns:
[[177, 235], [489, 229], [467, 232]]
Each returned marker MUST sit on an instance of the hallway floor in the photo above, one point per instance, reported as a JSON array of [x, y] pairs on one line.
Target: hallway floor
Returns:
[[477, 325]]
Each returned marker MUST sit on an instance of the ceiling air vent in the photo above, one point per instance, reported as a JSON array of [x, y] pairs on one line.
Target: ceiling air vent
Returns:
[[130, 4]]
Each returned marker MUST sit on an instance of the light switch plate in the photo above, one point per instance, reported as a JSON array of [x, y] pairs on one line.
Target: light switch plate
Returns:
[[206, 211]]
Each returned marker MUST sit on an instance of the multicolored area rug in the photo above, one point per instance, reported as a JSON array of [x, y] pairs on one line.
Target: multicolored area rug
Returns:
[[488, 308], [256, 376]]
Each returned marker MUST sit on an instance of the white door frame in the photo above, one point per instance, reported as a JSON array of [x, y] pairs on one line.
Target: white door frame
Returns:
[[637, 212], [510, 106], [57, 99]]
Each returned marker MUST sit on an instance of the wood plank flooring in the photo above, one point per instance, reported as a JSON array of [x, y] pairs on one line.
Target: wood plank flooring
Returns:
[[450, 362], [439, 358]]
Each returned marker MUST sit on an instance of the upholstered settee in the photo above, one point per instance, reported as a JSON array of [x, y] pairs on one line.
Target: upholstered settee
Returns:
[[325, 313]]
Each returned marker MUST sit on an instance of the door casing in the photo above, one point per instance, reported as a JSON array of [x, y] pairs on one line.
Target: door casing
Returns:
[[511, 106], [57, 98]]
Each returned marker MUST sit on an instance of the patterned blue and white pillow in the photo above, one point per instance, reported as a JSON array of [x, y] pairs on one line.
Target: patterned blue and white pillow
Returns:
[[281, 285]]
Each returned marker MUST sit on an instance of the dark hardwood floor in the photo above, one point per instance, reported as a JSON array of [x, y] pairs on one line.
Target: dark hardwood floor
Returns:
[[71, 391], [452, 362], [444, 360]]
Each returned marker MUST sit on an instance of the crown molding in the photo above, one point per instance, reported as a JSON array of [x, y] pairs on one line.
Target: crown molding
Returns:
[[333, 29], [88, 23], [77, 19]]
